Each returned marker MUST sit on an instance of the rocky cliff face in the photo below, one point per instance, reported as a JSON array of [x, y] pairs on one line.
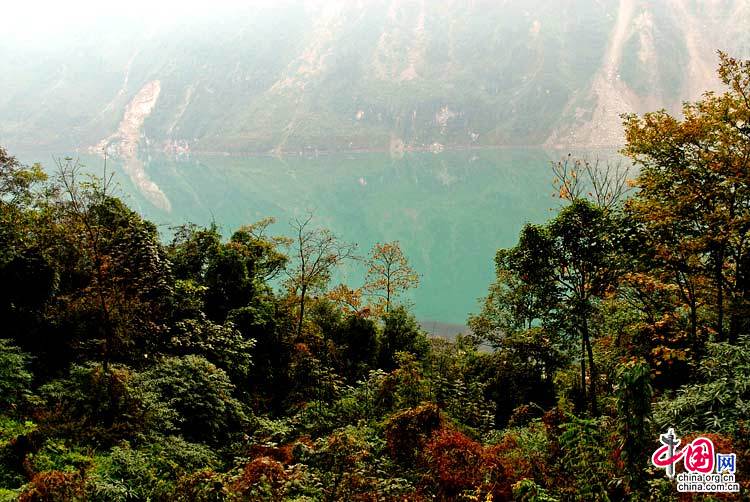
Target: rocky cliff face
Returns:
[[369, 74]]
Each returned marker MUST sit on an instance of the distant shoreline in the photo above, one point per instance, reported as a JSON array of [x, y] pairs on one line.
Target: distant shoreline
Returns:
[[315, 152], [443, 329]]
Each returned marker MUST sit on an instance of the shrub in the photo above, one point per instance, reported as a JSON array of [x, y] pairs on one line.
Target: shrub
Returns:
[[587, 459], [528, 491], [455, 461], [407, 432], [351, 464], [720, 401], [202, 486], [15, 443], [261, 479], [150, 472], [58, 455], [520, 453], [15, 379], [54, 486], [199, 393], [100, 407]]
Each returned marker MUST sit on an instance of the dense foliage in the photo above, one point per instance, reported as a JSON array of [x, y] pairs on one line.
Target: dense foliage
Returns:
[[133, 369]]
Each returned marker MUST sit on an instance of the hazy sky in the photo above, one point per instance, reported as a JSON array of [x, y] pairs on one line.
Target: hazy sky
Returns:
[[28, 20]]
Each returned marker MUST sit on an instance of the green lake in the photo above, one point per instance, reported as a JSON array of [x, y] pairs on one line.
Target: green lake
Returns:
[[450, 211]]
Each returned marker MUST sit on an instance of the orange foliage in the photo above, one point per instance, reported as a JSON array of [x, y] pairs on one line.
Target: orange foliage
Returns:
[[455, 460], [407, 432], [261, 469], [457, 464], [54, 485], [505, 464], [283, 454]]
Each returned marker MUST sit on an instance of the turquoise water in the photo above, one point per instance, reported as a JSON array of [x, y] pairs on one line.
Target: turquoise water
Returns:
[[450, 211]]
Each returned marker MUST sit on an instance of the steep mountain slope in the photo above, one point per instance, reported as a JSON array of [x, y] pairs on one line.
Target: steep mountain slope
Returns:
[[368, 74]]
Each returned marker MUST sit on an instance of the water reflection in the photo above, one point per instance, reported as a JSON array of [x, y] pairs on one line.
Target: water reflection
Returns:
[[450, 211]]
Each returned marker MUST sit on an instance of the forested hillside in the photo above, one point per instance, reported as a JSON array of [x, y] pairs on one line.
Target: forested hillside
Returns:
[[293, 76], [136, 369]]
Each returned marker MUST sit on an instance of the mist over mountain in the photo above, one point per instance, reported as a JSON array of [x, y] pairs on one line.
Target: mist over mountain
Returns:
[[379, 74]]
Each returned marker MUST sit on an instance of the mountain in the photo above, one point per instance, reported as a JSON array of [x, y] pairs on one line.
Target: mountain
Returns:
[[375, 74]]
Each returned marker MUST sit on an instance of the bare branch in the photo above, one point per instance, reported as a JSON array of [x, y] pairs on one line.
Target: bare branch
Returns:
[[605, 183]]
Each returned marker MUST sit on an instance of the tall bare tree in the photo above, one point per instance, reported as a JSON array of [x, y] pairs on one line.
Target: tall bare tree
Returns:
[[605, 183], [315, 253], [81, 198]]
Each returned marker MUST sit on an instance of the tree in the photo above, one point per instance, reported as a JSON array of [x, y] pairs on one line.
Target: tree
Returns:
[[199, 393], [389, 273], [515, 302], [584, 268], [356, 349], [116, 269], [315, 253], [520, 372], [348, 299], [191, 249], [604, 183], [263, 250], [694, 196], [234, 273], [558, 271], [27, 272], [401, 333]]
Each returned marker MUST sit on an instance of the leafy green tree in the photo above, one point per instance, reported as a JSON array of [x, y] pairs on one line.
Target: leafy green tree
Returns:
[[200, 394], [401, 333], [237, 274], [583, 269], [553, 277], [222, 345], [357, 346], [516, 300], [28, 273], [519, 373], [191, 250], [269, 324], [234, 273]]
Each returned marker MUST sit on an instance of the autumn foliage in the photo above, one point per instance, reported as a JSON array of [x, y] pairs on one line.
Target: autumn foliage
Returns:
[[226, 367]]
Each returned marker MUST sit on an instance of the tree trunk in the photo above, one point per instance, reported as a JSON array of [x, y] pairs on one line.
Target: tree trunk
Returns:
[[583, 373], [303, 292], [693, 324], [592, 368], [388, 294], [739, 313], [719, 271]]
